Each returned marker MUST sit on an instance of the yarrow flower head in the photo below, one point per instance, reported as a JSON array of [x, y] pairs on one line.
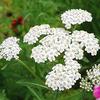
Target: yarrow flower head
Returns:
[[75, 16], [57, 41], [9, 48], [94, 74], [86, 84], [35, 32], [62, 77], [51, 45], [86, 40], [93, 77]]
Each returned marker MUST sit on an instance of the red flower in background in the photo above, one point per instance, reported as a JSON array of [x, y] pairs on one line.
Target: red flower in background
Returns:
[[15, 23], [20, 20]]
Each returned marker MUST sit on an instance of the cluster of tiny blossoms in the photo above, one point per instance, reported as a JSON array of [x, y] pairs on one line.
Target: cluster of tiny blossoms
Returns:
[[9, 48], [86, 40], [35, 32], [92, 79], [51, 45], [86, 84], [75, 16], [59, 40], [63, 76]]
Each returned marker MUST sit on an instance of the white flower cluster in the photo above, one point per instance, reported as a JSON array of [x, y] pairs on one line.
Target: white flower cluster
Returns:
[[57, 41], [9, 48], [60, 40], [51, 45], [94, 74], [74, 51], [86, 40], [75, 16], [63, 76], [73, 45], [93, 77], [35, 32], [86, 84]]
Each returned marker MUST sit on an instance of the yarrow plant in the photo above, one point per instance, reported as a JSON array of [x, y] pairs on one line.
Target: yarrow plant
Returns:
[[55, 42], [59, 40]]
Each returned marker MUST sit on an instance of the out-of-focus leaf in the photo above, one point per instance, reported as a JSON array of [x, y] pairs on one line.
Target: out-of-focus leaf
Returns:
[[33, 92], [31, 84], [3, 95]]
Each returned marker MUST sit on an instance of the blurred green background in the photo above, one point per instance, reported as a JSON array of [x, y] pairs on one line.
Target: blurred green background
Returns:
[[36, 12]]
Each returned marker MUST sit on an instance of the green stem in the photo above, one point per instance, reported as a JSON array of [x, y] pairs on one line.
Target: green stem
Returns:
[[32, 84], [56, 95], [5, 66], [34, 93], [24, 65], [74, 28]]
